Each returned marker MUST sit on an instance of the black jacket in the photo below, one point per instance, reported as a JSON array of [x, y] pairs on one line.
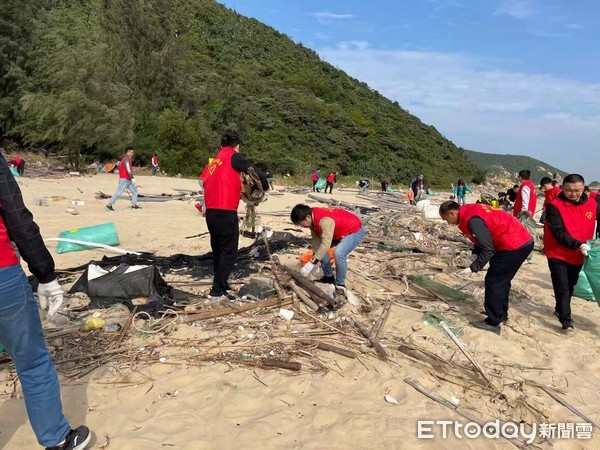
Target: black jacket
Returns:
[[21, 228]]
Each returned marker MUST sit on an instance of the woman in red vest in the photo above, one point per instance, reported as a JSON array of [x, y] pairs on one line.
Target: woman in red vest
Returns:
[[500, 239], [570, 221], [551, 190], [222, 190], [329, 227], [20, 327], [316, 176]]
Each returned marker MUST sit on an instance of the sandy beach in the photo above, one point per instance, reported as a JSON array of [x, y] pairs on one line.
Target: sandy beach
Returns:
[[181, 405]]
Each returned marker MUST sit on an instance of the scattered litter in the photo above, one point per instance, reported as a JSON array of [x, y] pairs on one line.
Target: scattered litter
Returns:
[[390, 399]]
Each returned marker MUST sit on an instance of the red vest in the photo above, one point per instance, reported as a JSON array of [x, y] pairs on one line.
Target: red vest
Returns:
[[579, 221], [154, 161], [551, 195], [17, 160], [315, 176], [532, 199], [331, 177], [345, 222], [222, 184], [123, 170], [507, 232], [8, 257]]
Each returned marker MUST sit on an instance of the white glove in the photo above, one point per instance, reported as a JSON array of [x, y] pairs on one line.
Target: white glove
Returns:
[[134, 182], [473, 257], [584, 249], [50, 295], [265, 197], [466, 271], [307, 269]]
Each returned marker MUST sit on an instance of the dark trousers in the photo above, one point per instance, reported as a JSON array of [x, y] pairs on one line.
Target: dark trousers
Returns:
[[330, 186], [384, 187], [224, 232], [503, 268], [314, 184], [564, 278], [21, 168]]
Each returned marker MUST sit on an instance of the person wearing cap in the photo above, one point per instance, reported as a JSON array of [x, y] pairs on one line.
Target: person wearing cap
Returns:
[[20, 326], [551, 191], [499, 239], [222, 186], [330, 227], [571, 219]]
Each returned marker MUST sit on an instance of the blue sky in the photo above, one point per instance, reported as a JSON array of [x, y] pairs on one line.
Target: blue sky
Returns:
[[500, 76]]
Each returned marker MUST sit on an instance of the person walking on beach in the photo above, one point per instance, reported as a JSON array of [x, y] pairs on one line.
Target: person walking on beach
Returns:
[[329, 227], [499, 239], [331, 180], [20, 326], [222, 189], [571, 219], [316, 176], [460, 191], [126, 181], [154, 161]]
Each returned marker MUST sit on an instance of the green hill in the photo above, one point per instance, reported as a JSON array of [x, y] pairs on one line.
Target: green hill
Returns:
[[507, 167], [168, 76]]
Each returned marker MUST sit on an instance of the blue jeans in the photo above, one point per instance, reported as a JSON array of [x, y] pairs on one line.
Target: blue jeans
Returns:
[[154, 170], [125, 184], [21, 334], [341, 252]]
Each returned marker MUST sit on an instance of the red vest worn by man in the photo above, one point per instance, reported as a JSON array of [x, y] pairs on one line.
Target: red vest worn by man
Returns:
[[579, 222], [222, 184], [551, 194], [315, 176], [123, 167], [345, 222], [532, 199], [154, 161], [8, 256], [507, 232], [331, 178]]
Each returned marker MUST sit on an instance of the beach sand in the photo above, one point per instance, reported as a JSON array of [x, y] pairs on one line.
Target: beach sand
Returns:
[[214, 405]]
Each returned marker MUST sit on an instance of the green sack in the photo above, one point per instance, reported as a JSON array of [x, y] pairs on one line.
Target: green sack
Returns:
[[99, 234], [13, 170], [591, 267], [320, 184], [583, 289]]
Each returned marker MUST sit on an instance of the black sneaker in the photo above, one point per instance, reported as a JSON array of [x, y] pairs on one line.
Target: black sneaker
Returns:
[[326, 279], [109, 208], [231, 297], [136, 207], [483, 325], [504, 319], [568, 325], [77, 439]]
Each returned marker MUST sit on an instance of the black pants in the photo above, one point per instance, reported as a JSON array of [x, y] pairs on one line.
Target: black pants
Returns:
[[314, 184], [330, 186], [224, 232], [564, 278], [21, 168], [384, 187], [503, 268]]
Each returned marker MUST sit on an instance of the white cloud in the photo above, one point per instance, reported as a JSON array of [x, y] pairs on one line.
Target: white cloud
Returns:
[[574, 26], [550, 118], [519, 9], [328, 17]]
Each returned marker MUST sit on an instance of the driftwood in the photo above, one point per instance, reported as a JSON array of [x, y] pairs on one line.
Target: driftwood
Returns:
[[568, 406], [268, 362], [302, 295], [230, 309], [377, 326], [382, 352], [331, 348]]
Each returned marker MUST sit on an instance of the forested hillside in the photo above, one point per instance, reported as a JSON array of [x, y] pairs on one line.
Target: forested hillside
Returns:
[[509, 166], [92, 76]]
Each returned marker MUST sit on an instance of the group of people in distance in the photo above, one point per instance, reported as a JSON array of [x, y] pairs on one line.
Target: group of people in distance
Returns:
[[571, 217], [329, 181]]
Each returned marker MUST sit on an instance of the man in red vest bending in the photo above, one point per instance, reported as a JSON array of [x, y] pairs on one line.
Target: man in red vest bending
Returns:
[[222, 190], [570, 221], [500, 239], [329, 227], [126, 181], [20, 327]]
